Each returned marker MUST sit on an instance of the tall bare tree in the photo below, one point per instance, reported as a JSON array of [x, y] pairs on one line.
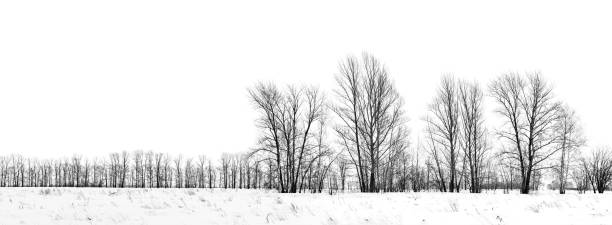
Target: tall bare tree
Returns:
[[348, 109], [444, 128], [267, 100], [474, 133], [530, 111]]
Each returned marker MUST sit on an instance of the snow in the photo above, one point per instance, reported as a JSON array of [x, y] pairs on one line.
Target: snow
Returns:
[[204, 206]]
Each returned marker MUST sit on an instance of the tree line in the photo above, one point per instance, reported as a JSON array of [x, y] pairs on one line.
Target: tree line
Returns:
[[357, 138], [136, 169]]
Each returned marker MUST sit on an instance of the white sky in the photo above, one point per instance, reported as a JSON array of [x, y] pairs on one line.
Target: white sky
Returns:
[[94, 77]]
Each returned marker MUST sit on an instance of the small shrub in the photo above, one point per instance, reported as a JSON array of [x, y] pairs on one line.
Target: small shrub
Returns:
[[45, 191]]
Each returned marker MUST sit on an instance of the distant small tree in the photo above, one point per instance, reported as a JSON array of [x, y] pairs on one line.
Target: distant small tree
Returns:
[[569, 142], [179, 172], [600, 169], [580, 175], [124, 167]]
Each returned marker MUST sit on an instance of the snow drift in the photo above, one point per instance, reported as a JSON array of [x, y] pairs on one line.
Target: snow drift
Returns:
[[205, 206]]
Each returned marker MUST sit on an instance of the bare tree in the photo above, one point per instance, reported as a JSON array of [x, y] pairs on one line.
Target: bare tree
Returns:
[[124, 167], [581, 175], [530, 112], [211, 175], [76, 167], [417, 172], [437, 157], [474, 134], [319, 161], [225, 167], [600, 169], [297, 132], [188, 177], [149, 165], [167, 171], [202, 160], [349, 111], [342, 171], [179, 172], [158, 169], [569, 142], [138, 168], [267, 99], [86, 171], [370, 108], [444, 126]]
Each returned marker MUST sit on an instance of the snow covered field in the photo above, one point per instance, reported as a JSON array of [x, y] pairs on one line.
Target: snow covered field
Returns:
[[68, 206]]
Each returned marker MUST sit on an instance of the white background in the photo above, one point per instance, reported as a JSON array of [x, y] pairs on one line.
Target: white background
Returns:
[[93, 77]]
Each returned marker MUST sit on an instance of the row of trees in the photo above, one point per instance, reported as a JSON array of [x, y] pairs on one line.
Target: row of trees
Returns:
[[358, 140], [140, 169], [536, 129], [136, 169]]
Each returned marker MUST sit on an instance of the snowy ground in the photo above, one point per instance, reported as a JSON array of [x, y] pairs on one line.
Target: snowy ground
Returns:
[[193, 206]]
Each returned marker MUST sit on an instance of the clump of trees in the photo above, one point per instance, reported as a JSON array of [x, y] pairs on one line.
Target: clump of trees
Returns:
[[372, 132], [289, 120], [457, 136], [537, 128], [597, 169]]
